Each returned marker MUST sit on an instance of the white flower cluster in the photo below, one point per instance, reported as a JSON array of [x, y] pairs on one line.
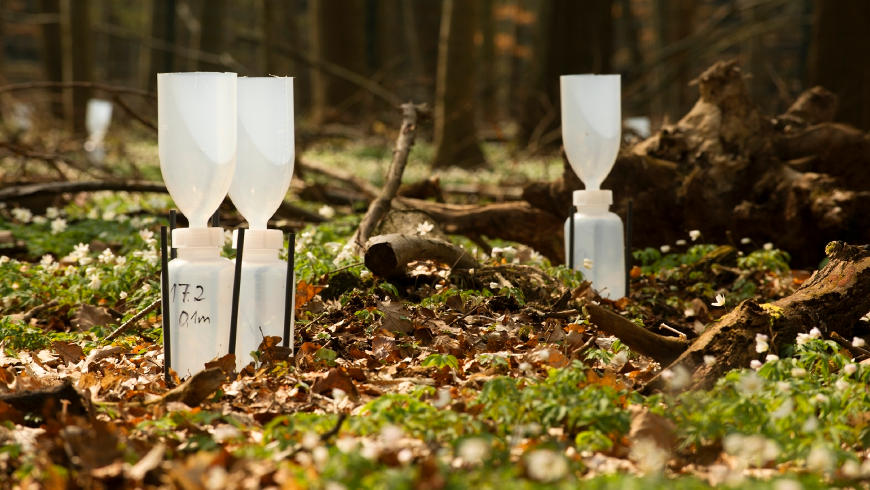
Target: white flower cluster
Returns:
[[80, 254], [803, 338]]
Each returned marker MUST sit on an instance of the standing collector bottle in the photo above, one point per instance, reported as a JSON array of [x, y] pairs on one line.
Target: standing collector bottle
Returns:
[[197, 147], [266, 151], [591, 133], [598, 242]]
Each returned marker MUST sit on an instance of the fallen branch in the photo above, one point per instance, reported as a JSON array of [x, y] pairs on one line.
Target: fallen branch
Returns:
[[24, 191], [388, 255], [42, 188], [132, 321], [335, 174], [379, 207], [113, 89], [663, 349]]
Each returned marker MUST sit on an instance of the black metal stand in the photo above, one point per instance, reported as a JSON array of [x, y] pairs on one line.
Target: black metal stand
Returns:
[[164, 294], [173, 219], [289, 305], [628, 238], [571, 237], [237, 279]]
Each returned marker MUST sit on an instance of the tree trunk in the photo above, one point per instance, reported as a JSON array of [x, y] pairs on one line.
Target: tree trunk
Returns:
[[455, 129], [213, 34], [52, 57], [162, 29], [338, 36], [82, 59], [120, 54], [838, 57], [272, 13], [488, 106], [674, 20], [575, 37]]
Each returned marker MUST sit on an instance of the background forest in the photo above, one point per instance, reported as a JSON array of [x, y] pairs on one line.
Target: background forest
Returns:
[[492, 64]]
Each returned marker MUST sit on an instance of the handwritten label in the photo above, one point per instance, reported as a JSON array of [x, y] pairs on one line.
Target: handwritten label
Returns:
[[188, 296]]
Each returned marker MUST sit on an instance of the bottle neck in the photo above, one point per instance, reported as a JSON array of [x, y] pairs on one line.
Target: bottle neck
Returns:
[[260, 255], [198, 252], [592, 209]]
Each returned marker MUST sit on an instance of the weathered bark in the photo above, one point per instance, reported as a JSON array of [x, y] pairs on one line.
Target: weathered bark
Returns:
[[388, 255], [456, 140], [833, 300]]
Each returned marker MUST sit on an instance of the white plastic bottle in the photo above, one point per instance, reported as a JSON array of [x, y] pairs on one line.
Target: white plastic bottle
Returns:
[[197, 147], [266, 151], [262, 292], [200, 295], [598, 242]]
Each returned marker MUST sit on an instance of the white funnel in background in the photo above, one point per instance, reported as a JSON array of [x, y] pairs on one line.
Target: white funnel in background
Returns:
[[266, 147], [591, 125], [197, 139], [97, 119]]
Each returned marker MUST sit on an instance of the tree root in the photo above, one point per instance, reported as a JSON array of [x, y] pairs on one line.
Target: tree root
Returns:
[[833, 300]]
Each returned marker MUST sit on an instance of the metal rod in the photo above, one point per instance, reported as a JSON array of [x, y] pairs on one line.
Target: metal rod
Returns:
[[628, 237], [571, 238], [237, 279], [173, 219], [290, 292], [164, 293]]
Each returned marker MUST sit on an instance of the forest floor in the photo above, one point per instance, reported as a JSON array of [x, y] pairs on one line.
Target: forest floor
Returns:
[[435, 381]]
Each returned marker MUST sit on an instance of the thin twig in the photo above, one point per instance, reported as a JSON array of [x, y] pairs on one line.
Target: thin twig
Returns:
[[113, 89], [126, 325], [380, 206]]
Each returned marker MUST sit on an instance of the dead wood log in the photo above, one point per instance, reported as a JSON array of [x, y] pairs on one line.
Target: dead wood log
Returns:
[[518, 221], [45, 403], [388, 255], [379, 207], [833, 300]]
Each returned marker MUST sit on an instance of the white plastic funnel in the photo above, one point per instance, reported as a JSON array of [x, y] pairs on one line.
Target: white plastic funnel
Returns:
[[196, 114], [98, 117], [266, 147], [591, 125]]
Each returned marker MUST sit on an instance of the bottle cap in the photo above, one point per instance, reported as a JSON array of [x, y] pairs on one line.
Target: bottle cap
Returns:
[[593, 198], [261, 239], [197, 237]]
